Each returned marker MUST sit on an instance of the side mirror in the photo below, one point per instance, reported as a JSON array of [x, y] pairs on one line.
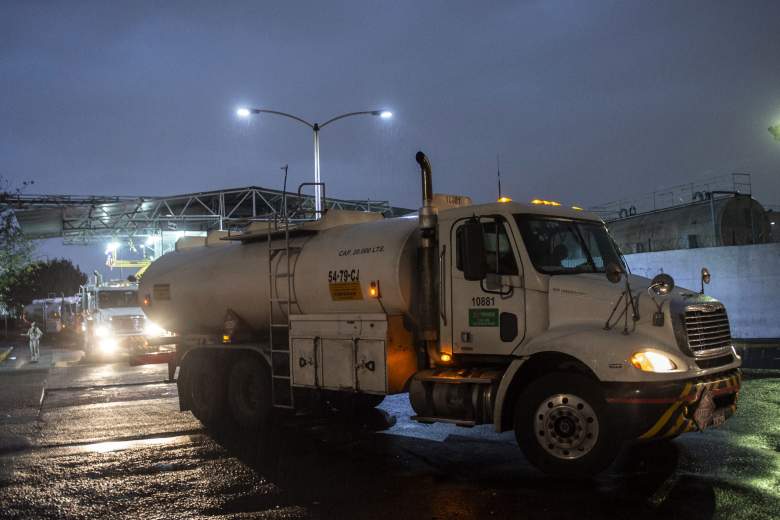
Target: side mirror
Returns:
[[662, 284], [705, 278], [472, 251], [614, 272]]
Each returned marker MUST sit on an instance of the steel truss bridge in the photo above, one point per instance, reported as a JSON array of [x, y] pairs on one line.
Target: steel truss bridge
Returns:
[[93, 218]]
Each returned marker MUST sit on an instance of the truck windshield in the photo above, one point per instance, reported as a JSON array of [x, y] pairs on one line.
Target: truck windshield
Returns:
[[113, 299], [560, 246]]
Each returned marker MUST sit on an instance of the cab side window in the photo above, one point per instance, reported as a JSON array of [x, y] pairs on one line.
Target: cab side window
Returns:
[[499, 256]]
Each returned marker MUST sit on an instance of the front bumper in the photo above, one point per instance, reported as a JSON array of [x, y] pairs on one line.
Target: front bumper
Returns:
[[664, 410], [119, 343]]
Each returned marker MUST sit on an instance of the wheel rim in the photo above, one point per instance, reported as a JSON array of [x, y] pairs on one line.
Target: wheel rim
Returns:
[[566, 426]]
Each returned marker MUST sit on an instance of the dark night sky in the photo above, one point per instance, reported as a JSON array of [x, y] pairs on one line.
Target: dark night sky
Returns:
[[586, 102]]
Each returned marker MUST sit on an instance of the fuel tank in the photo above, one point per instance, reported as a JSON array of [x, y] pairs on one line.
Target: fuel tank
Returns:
[[332, 268]]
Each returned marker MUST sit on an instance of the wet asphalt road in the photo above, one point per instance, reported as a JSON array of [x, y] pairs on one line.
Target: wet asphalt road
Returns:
[[92, 451]]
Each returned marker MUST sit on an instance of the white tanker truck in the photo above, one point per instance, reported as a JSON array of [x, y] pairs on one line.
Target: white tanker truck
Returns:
[[520, 316]]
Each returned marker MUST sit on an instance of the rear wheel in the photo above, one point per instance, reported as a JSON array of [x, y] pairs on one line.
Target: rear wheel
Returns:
[[206, 389], [249, 392], [562, 426]]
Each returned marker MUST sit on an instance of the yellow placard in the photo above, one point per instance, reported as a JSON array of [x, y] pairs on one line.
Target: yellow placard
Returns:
[[342, 291]]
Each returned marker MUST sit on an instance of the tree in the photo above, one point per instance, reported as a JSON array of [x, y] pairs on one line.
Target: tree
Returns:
[[15, 248], [56, 277]]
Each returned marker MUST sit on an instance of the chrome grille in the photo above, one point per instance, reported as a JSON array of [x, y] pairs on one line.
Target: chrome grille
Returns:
[[707, 329], [127, 324]]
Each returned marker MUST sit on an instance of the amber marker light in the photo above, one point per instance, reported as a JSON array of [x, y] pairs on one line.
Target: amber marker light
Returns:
[[373, 289], [446, 358], [542, 202], [504, 199], [225, 338], [576, 208]]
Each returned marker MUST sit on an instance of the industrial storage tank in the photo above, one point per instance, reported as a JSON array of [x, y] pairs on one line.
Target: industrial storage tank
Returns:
[[333, 263], [720, 221]]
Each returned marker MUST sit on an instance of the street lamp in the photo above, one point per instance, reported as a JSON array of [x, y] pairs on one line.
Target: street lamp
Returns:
[[244, 112]]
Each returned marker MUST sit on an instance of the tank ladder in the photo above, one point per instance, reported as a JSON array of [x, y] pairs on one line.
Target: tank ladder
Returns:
[[279, 332]]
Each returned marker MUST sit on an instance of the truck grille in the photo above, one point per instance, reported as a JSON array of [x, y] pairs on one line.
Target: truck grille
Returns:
[[127, 324], [707, 329]]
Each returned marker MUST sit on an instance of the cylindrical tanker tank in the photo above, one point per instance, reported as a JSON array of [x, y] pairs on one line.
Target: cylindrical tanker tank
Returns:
[[190, 291], [722, 221]]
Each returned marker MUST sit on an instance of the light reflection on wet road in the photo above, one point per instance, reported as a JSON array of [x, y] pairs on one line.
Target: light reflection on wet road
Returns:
[[127, 452]]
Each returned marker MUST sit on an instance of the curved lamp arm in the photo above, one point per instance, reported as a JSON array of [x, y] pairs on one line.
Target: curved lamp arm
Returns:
[[349, 114], [284, 114]]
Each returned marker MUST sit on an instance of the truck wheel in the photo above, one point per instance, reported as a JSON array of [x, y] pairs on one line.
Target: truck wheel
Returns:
[[249, 392], [206, 388], [563, 428]]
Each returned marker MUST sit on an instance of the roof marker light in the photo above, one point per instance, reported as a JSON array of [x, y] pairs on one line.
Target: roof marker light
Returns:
[[504, 199], [542, 202]]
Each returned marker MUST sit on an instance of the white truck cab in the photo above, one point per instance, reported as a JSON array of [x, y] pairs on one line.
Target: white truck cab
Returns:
[[588, 358], [112, 320]]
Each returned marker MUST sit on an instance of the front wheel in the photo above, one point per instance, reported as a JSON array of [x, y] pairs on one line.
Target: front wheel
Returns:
[[562, 426]]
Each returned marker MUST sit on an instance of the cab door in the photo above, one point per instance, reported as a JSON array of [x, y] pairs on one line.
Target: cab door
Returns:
[[487, 316]]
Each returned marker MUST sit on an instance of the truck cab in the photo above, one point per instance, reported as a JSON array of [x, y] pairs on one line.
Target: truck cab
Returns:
[[112, 320], [565, 348]]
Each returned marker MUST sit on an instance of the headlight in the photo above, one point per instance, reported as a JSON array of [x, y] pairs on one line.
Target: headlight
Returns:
[[108, 345], [152, 329], [101, 331], [650, 361]]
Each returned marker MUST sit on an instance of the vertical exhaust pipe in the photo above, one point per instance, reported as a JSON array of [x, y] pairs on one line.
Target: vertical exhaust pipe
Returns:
[[428, 301]]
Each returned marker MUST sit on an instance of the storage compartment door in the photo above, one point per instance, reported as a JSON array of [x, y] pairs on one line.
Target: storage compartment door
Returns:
[[338, 364], [370, 361], [304, 362]]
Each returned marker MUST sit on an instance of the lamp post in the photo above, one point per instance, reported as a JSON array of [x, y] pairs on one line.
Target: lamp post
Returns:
[[316, 127]]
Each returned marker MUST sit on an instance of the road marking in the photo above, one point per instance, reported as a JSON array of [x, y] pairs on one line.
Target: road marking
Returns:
[[4, 355]]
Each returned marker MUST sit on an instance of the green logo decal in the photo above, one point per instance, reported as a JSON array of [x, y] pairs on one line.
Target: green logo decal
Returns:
[[483, 317]]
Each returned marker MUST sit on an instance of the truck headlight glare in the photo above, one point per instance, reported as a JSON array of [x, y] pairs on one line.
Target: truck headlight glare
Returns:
[[101, 331], [153, 330], [108, 345], [650, 361]]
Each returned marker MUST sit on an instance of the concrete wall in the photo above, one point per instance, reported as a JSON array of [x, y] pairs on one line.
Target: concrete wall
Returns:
[[745, 278]]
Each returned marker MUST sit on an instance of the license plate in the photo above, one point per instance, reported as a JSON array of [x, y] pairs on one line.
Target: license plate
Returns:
[[706, 415], [704, 411], [718, 419]]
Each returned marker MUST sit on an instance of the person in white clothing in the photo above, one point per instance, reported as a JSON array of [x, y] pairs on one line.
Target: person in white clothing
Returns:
[[35, 341]]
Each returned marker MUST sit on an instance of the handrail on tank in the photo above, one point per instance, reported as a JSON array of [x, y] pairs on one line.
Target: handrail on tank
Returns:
[[301, 199]]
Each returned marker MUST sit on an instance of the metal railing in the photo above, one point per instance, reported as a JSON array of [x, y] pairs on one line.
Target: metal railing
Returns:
[[674, 196]]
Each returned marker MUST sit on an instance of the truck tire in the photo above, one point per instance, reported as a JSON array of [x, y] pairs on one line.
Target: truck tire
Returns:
[[249, 392], [205, 385], [563, 428]]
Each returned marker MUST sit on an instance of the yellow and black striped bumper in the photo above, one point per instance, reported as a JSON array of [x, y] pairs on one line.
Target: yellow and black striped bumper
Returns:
[[649, 410]]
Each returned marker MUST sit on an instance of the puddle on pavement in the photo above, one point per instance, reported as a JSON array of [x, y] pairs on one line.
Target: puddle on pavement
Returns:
[[112, 446]]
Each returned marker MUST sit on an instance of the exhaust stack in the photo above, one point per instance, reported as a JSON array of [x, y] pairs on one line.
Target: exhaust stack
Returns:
[[428, 308]]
